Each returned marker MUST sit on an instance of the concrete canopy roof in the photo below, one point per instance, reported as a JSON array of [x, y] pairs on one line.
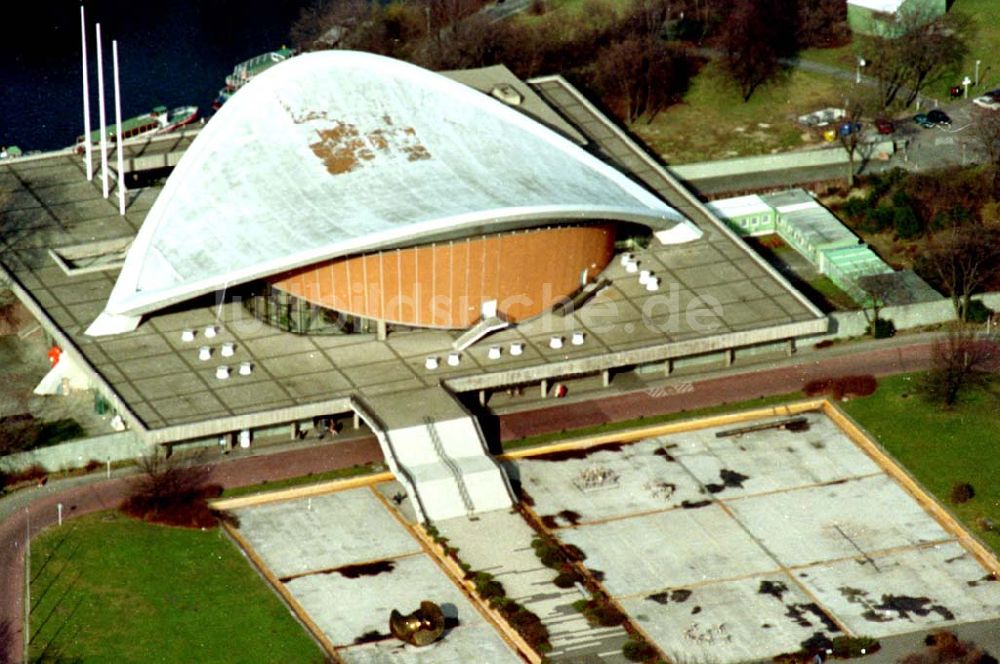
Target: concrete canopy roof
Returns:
[[334, 153]]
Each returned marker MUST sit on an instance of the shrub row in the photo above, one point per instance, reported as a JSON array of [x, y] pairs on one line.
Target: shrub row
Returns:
[[525, 622], [560, 557], [838, 388], [841, 647], [599, 611]]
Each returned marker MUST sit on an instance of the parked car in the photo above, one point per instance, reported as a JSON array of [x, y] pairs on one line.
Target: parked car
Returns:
[[990, 100], [884, 126], [937, 116], [846, 128], [921, 119]]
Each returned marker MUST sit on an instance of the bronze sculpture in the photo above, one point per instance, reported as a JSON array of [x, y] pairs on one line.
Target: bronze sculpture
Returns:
[[420, 628]]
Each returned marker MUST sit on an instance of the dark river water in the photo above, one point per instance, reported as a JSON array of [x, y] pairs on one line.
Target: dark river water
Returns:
[[171, 53]]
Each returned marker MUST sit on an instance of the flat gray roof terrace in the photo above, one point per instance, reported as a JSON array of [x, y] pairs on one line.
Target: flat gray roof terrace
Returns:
[[714, 294]]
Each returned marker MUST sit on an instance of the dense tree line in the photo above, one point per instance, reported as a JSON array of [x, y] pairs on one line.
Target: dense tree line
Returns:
[[639, 59]]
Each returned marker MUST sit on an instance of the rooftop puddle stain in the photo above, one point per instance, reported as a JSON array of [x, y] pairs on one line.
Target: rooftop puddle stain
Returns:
[[776, 589], [371, 637], [662, 452], [799, 614], [901, 605], [365, 569], [986, 579], [678, 596], [730, 479], [575, 455], [695, 504], [569, 516]]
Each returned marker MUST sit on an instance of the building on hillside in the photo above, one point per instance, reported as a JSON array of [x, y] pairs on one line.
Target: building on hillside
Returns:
[[351, 233], [396, 197], [747, 215], [808, 227], [819, 236], [881, 17]]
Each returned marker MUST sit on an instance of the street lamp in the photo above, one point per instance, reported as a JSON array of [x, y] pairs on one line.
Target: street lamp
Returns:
[[965, 83], [977, 72], [857, 76]]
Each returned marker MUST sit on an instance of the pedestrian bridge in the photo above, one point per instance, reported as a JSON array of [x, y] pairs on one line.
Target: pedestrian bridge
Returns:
[[437, 451]]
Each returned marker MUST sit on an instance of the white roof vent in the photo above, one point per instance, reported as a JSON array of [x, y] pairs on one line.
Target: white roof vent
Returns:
[[508, 94]]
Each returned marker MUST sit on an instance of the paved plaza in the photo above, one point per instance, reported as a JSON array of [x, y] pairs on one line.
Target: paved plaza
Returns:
[[64, 245], [348, 563], [741, 547]]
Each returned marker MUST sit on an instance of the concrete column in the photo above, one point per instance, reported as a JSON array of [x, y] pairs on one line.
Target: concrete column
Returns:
[[791, 347], [668, 366], [545, 387], [381, 331], [730, 355], [482, 397], [294, 430], [356, 420], [606, 377]]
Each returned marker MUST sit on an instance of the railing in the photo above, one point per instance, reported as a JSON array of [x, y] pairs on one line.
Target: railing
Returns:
[[381, 431], [463, 490]]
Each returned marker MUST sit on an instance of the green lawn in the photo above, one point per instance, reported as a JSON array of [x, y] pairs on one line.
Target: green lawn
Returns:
[[315, 478], [713, 122], [110, 589], [835, 297], [983, 45], [556, 436], [940, 448]]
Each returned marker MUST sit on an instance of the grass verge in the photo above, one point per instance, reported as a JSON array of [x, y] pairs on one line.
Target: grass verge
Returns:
[[610, 427], [106, 588], [714, 123], [313, 478], [940, 448]]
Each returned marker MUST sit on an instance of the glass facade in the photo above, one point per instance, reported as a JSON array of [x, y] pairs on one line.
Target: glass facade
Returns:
[[299, 316]]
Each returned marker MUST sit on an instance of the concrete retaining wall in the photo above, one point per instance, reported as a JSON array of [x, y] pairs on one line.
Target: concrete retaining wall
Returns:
[[124, 445], [846, 324], [776, 162]]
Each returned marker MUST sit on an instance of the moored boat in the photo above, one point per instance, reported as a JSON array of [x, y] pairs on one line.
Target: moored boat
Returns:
[[157, 121], [244, 72]]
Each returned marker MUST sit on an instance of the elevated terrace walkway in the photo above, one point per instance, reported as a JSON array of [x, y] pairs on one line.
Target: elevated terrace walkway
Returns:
[[438, 453]]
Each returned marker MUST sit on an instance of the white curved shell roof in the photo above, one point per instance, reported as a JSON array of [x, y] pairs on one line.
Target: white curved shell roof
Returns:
[[339, 152]]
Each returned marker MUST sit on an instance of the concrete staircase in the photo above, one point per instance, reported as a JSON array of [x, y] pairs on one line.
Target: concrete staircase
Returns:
[[437, 451]]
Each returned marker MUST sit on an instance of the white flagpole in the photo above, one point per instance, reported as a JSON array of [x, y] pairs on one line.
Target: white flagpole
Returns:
[[118, 123], [100, 103], [88, 148]]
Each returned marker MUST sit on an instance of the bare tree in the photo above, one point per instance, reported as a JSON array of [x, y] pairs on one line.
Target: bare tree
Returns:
[[986, 134], [336, 18], [849, 132], [961, 362], [639, 76], [757, 35], [172, 490], [879, 291], [823, 23], [916, 47], [963, 260]]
